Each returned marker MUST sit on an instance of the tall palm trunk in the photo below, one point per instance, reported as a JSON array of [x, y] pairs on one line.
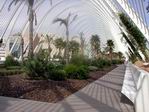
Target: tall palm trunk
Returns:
[[22, 48], [31, 19], [111, 56], [49, 51], [67, 43], [82, 50]]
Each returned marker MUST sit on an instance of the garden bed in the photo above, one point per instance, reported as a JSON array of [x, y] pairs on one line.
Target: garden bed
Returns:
[[45, 90]]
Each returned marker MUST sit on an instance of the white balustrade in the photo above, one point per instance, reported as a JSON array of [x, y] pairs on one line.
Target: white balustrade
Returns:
[[136, 87]]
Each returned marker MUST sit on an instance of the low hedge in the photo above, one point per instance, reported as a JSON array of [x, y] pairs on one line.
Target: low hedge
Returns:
[[10, 72], [13, 68], [101, 63]]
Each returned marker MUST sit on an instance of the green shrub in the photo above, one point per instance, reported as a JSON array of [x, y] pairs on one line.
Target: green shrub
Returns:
[[70, 69], [5, 72], [55, 72], [57, 75], [13, 68], [82, 72], [79, 60], [76, 72], [93, 68], [35, 68], [50, 66], [101, 63], [10, 61], [117, 62]]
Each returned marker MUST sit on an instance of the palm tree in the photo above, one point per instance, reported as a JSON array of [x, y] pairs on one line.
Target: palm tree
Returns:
[[47, 39], [95, 45], [120, 55], [60, 45], [73, 48], [31, 19], [82, 43], [110, 47], [66, 22]]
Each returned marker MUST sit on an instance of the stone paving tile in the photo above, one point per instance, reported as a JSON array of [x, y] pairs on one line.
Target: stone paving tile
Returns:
[[103, 95]]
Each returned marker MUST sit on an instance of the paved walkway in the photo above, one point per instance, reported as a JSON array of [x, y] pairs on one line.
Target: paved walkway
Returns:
[[103, 95]]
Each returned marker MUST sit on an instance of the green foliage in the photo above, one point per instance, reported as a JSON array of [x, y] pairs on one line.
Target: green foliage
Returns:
[[95, 45], [120, 55], [70, 69], [55, 71], [73, 47], [117, 62], [82, 72], [13, 68], [10, 61], [60, 44], [131, 44], [110, 45], [79, 60], [76, 72], [57, 75], [101, 63], [93, 68], [35, 68], [5, 72], [137, 38]]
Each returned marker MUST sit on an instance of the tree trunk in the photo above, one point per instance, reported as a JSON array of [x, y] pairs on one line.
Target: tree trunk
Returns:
[[67, 43], [111, 56], [49, 51], [22, 49], [31, 19], [82, 49]]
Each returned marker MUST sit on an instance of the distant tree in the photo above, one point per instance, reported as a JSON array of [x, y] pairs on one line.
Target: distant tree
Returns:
[[120, 55], [47, 39], [95, 45], [82, 43], [60, 44], [73, 47], [110, 47], [66, 22]]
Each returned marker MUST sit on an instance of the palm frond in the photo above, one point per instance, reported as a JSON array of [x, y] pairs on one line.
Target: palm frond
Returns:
[[41, 42], [74, 18], [11, 3], [62, 21], [31, 2], [68, 17], [35, 18]]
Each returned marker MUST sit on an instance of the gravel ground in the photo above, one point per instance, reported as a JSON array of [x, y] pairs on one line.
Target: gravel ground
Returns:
[[44, 90]]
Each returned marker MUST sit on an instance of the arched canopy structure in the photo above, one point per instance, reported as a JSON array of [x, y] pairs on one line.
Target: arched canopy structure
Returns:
[[93, 17]]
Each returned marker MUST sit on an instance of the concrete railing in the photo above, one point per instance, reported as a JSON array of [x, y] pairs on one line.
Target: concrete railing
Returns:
[[136, 87]]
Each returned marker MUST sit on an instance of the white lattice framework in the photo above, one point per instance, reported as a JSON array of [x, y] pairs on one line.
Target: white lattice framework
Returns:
[[107, 9]]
